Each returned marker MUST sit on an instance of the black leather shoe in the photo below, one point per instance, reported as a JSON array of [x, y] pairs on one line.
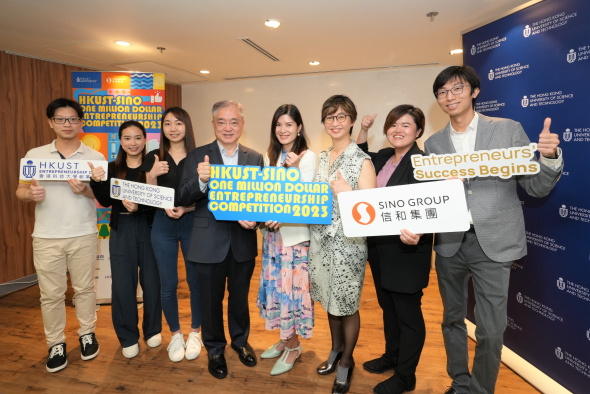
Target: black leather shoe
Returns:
[[325, 368], [450, 390], [246, 353], [217, 366], [396, 384], [342, 387], [378, 365]]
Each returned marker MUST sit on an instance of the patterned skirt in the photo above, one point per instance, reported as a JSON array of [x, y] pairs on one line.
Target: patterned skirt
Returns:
[[283, 296]]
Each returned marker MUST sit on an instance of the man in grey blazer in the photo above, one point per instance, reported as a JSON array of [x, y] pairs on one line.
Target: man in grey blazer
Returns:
[[221, 249], [497, 235]]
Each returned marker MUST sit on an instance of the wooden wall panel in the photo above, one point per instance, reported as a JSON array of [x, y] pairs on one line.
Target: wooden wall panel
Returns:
[[27, 86]]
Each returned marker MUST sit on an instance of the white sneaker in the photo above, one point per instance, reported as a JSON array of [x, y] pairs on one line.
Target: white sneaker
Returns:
[[131, 351], [176, 348], [155, 341], [194, 344]]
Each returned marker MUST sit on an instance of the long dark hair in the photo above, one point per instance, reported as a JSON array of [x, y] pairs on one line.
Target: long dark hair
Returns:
[[301, 142], [121, 160], [189, 138]]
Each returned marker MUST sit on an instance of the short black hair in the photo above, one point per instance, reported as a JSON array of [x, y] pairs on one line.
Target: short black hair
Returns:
[[64, 102], [462, 73]]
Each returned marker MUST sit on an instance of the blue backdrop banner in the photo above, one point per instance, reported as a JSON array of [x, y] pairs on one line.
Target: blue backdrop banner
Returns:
[[535, 64]]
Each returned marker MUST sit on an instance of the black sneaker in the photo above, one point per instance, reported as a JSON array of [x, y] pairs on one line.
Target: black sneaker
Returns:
[[57, 360], [88, 346]]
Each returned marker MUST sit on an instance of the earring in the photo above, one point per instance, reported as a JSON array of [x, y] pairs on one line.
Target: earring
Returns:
[[298, 134]]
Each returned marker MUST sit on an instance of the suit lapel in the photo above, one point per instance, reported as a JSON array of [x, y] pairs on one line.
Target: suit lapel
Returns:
[[444, 140], [403, 166], [485, 130], [242, 156], [215, 153]]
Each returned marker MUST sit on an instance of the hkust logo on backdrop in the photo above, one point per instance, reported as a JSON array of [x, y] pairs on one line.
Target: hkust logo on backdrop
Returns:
[[571, 56], [563, 211], [567, 135], [519, 297], [524, 102], [559, 353], [560, 284], [527, 31], [473, 50]]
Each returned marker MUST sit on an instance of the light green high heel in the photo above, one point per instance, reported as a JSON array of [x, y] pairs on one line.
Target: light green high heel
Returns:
[[281, 366], [272, 351]]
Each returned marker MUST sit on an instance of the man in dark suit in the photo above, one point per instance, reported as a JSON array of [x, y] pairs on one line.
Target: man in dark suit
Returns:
[[221, 249], [497, 235]]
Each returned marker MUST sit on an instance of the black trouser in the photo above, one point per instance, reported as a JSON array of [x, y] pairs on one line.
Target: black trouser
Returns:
[[403, 323], [212, 278], [130, 247]]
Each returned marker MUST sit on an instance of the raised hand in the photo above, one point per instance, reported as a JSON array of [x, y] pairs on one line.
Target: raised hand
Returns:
[[293, 159], [367, 122], [97, 172], [339, 185], [204, 170], [548, 141], [37, 192], [159, 168]]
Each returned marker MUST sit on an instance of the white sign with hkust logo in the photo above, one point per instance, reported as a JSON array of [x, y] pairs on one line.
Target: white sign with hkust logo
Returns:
[[58, 169], [431, 207], [142, 193]]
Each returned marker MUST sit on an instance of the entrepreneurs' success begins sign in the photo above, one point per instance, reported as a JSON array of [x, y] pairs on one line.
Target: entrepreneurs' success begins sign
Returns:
[[270, 193]]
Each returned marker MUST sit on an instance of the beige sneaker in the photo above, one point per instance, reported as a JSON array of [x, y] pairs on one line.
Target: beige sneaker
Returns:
[[176, 348], [194, 344], [155, 341], [131, 351]]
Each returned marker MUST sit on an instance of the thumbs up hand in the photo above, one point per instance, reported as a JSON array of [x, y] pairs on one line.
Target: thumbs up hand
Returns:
[[548, 141], [367, 122], [159, 168], [204, 170], [339, 185], [293, 159], [97, 172], [37, 192]]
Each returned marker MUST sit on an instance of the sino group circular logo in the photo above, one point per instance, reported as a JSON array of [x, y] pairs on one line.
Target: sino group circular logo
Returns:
[[363, 213]]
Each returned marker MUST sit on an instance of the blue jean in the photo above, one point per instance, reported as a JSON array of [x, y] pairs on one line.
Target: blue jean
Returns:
[[166, 233]]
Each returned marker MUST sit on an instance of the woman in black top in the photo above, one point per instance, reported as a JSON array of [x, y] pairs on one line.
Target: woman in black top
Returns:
[[130, 245], [171, 226], [400, 263]]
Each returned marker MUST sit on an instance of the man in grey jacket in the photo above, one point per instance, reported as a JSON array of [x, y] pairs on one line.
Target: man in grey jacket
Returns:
[[496, 236]]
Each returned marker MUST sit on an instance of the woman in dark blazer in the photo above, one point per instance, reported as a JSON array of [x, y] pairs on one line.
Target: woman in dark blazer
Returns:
[[400, 263]]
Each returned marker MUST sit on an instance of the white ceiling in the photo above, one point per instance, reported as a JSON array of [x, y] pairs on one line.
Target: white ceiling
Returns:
[[342, 35]]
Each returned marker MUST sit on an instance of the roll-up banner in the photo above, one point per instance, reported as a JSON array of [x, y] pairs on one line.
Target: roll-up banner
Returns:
[[533, 64], [108, 100]]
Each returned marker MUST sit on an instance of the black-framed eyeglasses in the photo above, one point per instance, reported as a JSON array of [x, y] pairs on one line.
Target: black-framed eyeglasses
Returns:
[[456, 90], [340, 118], [63, 120]]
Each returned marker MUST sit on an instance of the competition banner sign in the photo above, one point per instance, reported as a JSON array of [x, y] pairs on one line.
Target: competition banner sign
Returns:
[[432, 207], [503, 163], [58, 169], [270, 193], [111, 98], [142, 193]]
